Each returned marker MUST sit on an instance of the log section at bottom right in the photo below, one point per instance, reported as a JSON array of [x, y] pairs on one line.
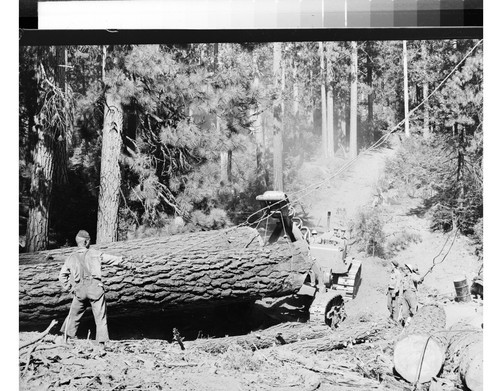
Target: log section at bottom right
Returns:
[[465, 354], [420, 352]]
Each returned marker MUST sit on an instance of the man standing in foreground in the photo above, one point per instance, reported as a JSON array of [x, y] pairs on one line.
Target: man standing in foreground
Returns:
[[81, 275]]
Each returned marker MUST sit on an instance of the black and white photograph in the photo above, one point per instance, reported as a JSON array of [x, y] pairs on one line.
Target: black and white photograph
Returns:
[[238, 214]]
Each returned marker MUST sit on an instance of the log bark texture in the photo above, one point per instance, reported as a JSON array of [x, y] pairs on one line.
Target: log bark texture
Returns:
[[419, 353], [177, 272], [465, 354]]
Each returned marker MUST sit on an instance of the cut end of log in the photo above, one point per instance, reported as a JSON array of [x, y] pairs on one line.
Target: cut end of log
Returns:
[[474, 376], [418, 358]]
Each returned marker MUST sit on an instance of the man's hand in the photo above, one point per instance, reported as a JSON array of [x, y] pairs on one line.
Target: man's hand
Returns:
[[128, 265], [68, 289]]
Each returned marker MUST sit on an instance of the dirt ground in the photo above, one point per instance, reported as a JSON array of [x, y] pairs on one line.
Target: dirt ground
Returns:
[[151, 364]]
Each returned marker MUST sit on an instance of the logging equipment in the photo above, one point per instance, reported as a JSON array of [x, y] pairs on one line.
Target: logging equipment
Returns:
[[434, 263], [331, 269]]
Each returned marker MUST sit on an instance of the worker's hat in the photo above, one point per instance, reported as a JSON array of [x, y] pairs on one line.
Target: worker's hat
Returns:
[[83, 234]]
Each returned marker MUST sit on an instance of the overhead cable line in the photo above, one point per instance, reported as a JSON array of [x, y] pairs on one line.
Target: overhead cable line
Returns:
[[313, 187]]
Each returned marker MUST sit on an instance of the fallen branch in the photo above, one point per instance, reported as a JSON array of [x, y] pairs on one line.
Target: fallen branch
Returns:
[[337, 342], [281, 334], [47, 330], [178, 338], [180, 365], [28, 359]]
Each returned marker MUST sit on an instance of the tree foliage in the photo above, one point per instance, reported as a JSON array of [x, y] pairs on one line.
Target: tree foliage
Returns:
[[182, 106]]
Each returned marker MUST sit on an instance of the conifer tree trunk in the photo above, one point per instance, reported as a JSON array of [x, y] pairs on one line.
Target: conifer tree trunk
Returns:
[[353, 136], [260, 142], [295, 90], [37, 232], [110, 178], [260, 132], [258, 125], [405, 77], [369, 80], [461, 165], [324, 132], [225, 166], [343, 127], [329, 112], [225, 154], [425, 94], [278, 106], [60, 152]]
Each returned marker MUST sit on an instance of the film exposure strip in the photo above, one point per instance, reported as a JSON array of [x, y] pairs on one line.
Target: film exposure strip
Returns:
[[249, 14]]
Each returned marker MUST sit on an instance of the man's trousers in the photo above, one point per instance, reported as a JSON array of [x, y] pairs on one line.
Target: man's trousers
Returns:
[[76, 311]]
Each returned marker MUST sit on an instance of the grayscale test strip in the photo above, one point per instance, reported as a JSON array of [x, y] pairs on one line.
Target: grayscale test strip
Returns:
[[300, 14]]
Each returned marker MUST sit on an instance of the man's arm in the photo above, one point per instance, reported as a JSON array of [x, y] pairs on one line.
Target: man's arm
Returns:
[[64, 277], [109, 259]]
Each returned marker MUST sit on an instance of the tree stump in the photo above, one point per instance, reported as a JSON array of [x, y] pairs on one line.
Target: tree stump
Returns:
[[419, 353]]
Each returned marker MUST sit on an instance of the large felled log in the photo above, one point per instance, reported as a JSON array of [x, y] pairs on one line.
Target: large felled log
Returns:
[[419, 354], [465, 352], [176, 272]]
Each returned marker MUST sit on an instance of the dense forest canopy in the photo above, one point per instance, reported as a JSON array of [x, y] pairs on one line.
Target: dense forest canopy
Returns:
[[134, 140]]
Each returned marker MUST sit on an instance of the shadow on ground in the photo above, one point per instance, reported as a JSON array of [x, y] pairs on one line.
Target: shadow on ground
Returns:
[[227, 320]]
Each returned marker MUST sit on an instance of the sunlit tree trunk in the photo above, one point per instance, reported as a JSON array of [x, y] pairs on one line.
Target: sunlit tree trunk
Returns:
[[324, 132], [110, 178], [343, 128], [329, 111], [60, 153], [405, 77], [260, 142], [353, 134], [258, 127], [225, 165], [460, 169], [278, 105], [369, 81], [295, 90], [225, 154], [426, 130]]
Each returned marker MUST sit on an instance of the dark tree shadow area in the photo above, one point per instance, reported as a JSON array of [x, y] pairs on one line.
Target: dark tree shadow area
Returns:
[[423, 208], [226, 320]]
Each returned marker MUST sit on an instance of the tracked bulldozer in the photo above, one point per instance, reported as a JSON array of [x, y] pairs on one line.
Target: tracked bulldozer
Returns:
[[333, 279]]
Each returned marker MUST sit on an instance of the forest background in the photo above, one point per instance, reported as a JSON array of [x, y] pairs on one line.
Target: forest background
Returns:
[[132, 141]]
